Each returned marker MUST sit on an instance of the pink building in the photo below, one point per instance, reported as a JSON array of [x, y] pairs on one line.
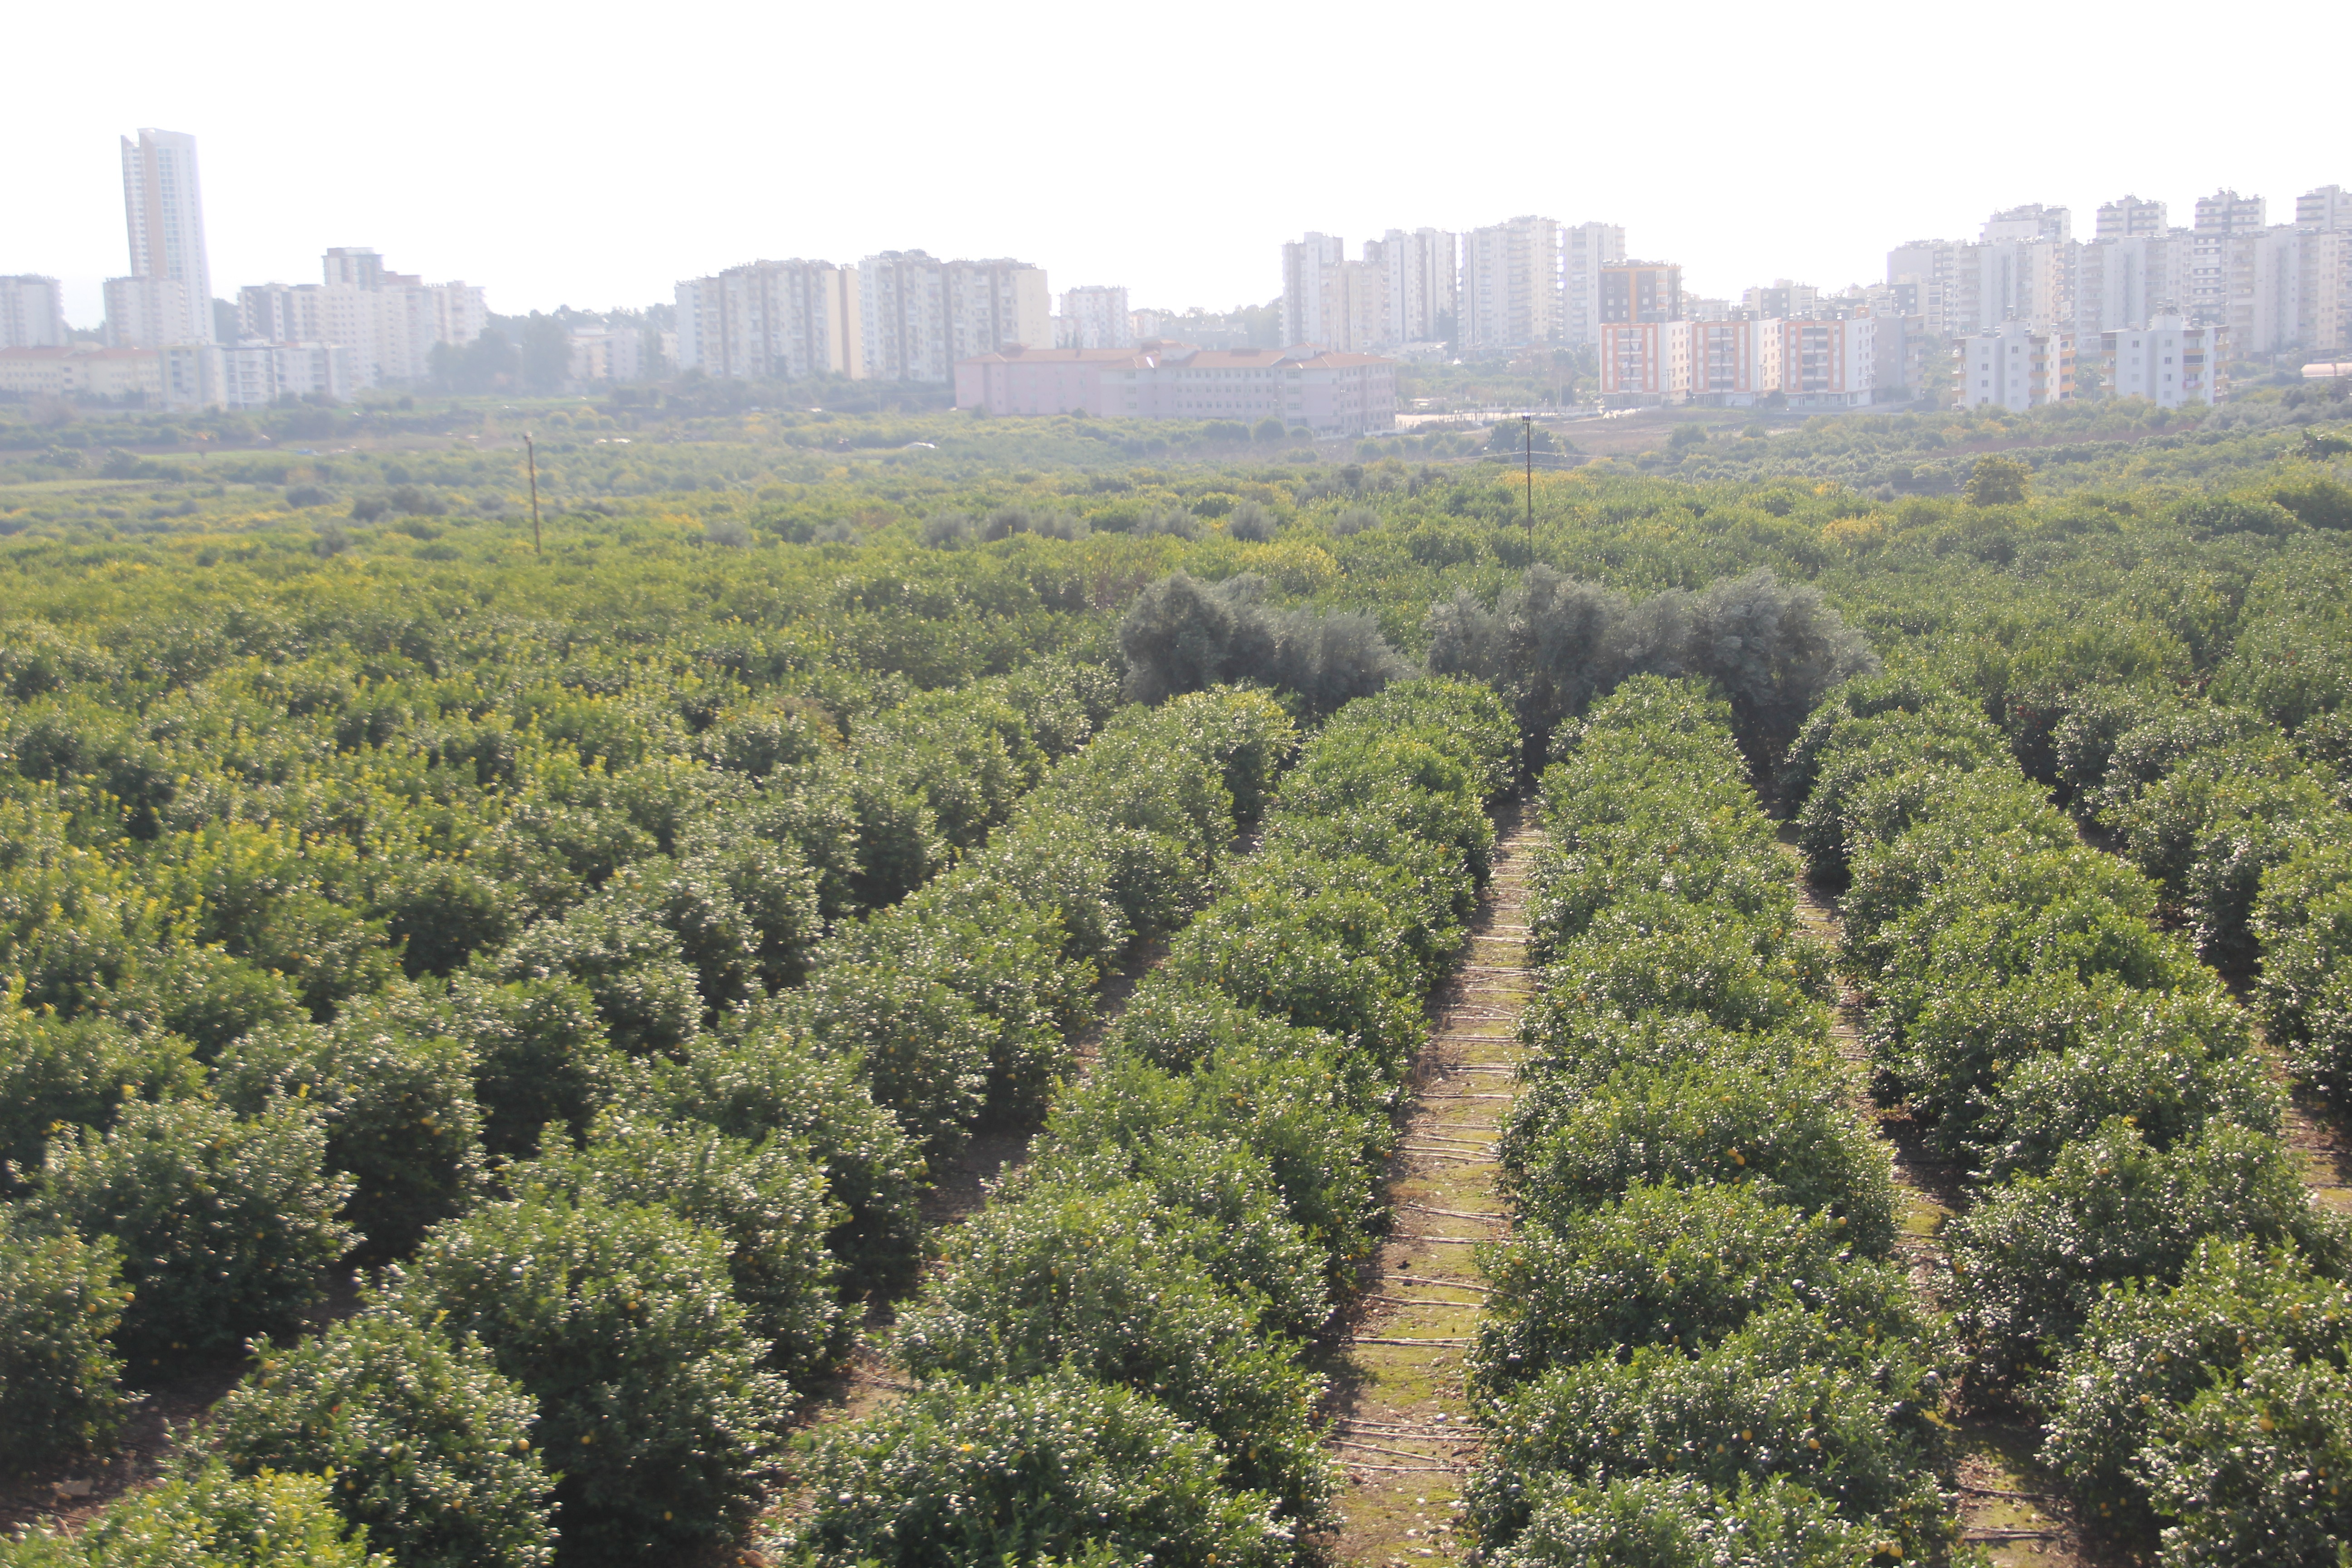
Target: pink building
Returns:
[[1329, 393]]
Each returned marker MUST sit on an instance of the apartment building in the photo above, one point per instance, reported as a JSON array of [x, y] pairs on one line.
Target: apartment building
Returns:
[[1585, 249], [919, 315], [1304, 263], [1828, 363], [2171, 360], [2015, 366], [1328, 393], [32, 313], [1646, 361], [2131, 218], [1420, 275], [83, 371], [168, 296], [1640, 291], [772, 321], [256, 374], [1781, 299], [1732, 361], [1510, 293], [1095, 317], [388, 320]]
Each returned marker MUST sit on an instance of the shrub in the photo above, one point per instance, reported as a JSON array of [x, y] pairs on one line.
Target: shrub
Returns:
[[2254, 1468], [1107, 1285], [1292, 1110], [621, 1323], [767, 1200], [225, 1224], [1704, 960], [61, 1298], [1051, 1469], [1679, 1265], [1249, 1245], [541, 1054], [2147, 1351], [1957, 1061], [635, 968], [77, 1072], [921, 1048], [400, 1112], [1318, 962], [1785, 1397], [2028, 1260], [1677, 1521], [2304, 921], [1796, 1142], [771, 1081], [427, 1444], [2169, 1090], [209, 1519]]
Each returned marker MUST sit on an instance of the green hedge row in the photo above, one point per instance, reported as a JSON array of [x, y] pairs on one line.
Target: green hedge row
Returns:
[[1109, 1367], [2141, 1263], [1700, 1339], [615, 1347]]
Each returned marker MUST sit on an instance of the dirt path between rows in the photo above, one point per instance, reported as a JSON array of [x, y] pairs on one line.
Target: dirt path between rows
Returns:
[[1400, 1426]]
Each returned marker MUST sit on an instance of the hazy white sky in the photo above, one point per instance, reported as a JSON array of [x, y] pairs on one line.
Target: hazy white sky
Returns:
[[589, 154]]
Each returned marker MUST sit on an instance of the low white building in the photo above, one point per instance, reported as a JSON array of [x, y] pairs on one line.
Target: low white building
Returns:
[[2016, 367], [256, 374], [2167, 361]]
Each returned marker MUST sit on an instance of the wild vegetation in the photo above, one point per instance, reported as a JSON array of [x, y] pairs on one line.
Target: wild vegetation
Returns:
[[603, 945]]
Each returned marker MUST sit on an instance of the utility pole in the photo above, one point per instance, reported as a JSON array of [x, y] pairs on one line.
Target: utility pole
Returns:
[[1528, 424], [531, 455]]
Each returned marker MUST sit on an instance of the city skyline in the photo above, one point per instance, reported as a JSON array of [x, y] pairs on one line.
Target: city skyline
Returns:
[[622, 203]]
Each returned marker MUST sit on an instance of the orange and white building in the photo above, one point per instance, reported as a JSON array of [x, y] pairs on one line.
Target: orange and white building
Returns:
[[1646, 361], [1305, 386], [1829, 365]]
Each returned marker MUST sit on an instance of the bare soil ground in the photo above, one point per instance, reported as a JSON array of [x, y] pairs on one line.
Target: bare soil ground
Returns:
[[1400, 1424]]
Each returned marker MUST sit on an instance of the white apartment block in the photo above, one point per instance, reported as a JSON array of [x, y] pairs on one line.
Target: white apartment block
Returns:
[[32, 313], [2168, 361], [772, 321], [2015, 368], [1095, 316], [254, 374], [168, 297], [85, 371], [145, 312], [607, 353], [1585, 249], [920, 315], [2324, 314], [903, 308], [388, 320], [994, 304], [2328, 208], [2032, 221], [1420, 273], [2131, 218], [1303, 264], [1510, 288], [2121, 280]]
